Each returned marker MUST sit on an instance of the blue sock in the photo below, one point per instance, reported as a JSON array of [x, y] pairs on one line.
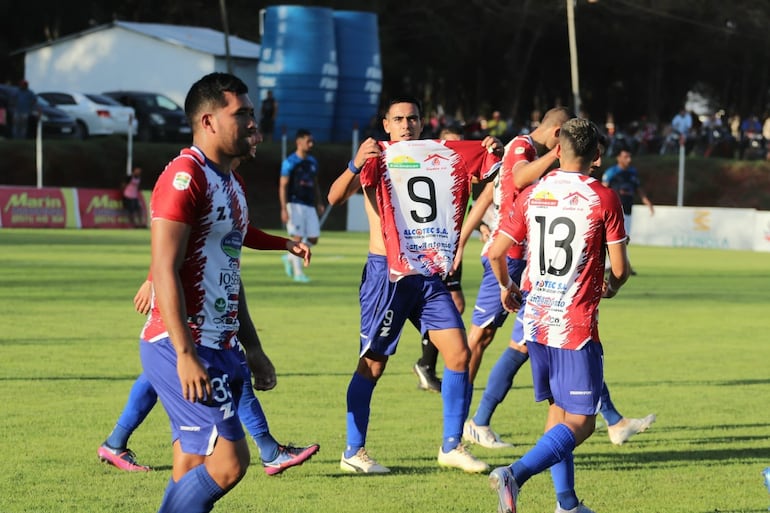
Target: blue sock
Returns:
[[454, 394], [252, 416], [611, 415], [196, 492], [468, 399], [563, 476], [551, 448], [359, 399], [499, 383], [141, 400]]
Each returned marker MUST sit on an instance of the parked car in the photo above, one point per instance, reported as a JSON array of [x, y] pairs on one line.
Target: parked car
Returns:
[[95, 114], [56, 122], [160, 119]]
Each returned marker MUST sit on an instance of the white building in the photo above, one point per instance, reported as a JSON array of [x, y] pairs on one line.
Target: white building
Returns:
[[138, 56]]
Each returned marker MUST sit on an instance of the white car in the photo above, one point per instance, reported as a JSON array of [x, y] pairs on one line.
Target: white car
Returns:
[[95, 114]]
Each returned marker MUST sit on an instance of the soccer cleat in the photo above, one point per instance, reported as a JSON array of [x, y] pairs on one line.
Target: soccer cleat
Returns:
[[766, 475], [427, 376], [483, 436], [124, 459], [580, 508], [287, 267], [501, 480], [362, 463], [289, 456], [626, 428], [301, 278], [459, 457]]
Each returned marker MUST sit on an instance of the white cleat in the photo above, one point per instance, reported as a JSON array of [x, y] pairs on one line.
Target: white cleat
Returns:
[[483, 436], [362, 463], [459, 457], [580, 508], [626, 428]]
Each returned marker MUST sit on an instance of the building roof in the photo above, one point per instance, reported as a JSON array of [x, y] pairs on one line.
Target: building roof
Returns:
[[202, 39]]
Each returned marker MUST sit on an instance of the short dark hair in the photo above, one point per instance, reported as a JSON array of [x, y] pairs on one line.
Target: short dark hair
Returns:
[[581, 136], [405, 99], [302, 132], [211, 90]]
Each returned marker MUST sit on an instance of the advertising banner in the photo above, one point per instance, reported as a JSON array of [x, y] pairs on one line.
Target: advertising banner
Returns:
[[103, 208], [28, 207]]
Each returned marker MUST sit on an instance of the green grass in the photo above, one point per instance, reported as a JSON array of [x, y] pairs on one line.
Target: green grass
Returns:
[[686, 339]]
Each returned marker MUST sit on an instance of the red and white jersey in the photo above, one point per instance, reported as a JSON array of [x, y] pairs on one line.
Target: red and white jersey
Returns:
[[519, 149], [422, 194], [191, 191], [566, 219]]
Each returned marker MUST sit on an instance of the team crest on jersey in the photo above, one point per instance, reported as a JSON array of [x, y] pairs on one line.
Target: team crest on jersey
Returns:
[[519, 150], [403, 162], [182, 180], [232, 243], [543, 199]]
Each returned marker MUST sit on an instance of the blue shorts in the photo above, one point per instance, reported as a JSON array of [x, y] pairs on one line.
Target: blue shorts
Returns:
[[386, 306], [488, 311], [573, 379], [197, 425]]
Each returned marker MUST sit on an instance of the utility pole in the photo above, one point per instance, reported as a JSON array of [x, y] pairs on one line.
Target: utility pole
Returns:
[[225, 27]]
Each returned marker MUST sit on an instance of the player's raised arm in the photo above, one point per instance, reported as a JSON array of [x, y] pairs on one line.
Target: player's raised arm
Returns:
[[348, 182]]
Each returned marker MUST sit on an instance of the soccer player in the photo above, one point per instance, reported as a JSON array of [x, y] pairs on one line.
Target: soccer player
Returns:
[[142, 398], [477, 430], [624, 179], [527, 157], [300, 198], [415, 198], [565, 219], [188, 348]]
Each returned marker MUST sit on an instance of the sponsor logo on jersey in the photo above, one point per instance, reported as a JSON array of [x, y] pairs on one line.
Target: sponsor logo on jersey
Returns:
[[430, 230], [231, 244], [403, 162], [182, 180], [543, 199], [220, 304]]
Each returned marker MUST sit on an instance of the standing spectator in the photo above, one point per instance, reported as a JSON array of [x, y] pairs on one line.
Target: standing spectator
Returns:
[[300, 198], [267, 113], [188, 346], [131, 198], [624, 179], [751, 135], [22, 105], [682, 123], [497, 126], [566, 220]]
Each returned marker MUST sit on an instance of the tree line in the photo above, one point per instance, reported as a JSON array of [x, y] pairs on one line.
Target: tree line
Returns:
[[637, 58]]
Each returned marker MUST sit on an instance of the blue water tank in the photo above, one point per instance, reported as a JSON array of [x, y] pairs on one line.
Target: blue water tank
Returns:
[[360, 72], [298, 62]]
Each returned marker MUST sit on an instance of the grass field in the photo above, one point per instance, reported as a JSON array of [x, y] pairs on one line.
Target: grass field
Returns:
[[687, 339]]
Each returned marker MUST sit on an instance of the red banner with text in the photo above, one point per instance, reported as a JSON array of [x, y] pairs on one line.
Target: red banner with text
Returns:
[[28, 207], [53, 207], [103, 208]]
